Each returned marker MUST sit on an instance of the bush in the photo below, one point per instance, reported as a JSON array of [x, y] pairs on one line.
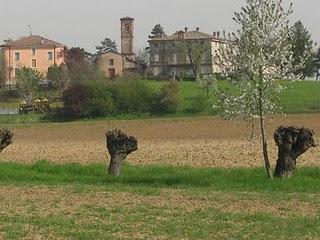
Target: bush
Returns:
[[100, 101], [200, 103], [75, 99], [6, 94], [133, 97], [168, 99]]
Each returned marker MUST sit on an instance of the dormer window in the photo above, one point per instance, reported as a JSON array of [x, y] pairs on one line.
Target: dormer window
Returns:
[[33, 51]]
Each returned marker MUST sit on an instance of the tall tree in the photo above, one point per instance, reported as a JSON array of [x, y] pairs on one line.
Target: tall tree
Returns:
[[197, 52], [143, 60], [317, 64], [257, 55], [59, 76], [157, 32], [28, 83], [2, 69], [302, 48], [77, 62], [107, 45]]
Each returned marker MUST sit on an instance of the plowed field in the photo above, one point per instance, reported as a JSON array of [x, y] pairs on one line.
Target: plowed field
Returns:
[[199, 142]]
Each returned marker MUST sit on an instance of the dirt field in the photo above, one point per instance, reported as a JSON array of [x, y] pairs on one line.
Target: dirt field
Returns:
[[200, 142]]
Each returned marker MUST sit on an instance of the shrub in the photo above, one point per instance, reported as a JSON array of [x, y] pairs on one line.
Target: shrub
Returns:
[[200, 103], [98, 99], [133, 97], [75, 99], [99, 102], [168, 99], [8, 94]]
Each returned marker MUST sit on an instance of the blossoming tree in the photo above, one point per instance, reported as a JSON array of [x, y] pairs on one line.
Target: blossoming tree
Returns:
[[258, 55]]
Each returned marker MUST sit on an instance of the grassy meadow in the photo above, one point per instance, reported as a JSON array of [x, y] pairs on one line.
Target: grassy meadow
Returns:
[[192, 178], [73, 201], [298, 97]]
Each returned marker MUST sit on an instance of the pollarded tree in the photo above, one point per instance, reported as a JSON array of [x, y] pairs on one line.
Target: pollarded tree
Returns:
[[292, 142], [107, 45], [119, 145], [256, 56], [302, 48], [5, 138]]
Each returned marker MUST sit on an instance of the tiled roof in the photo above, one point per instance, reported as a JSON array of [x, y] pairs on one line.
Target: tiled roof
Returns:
[[187, 35], [33, 41]]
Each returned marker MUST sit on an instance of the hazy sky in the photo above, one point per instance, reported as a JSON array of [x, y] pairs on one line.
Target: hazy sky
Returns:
[[85, 23]]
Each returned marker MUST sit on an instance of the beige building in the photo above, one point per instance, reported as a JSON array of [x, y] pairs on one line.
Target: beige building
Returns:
[[32, 51], [116, 64], [167, 60], [111, 64]]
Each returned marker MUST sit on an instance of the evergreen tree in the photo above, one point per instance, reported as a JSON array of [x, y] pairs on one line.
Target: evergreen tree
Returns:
[[157, 32], [317, 64], [107, 45], [303, 55]]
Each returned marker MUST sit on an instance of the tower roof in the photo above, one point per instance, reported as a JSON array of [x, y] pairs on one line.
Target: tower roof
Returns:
[[127, 18]]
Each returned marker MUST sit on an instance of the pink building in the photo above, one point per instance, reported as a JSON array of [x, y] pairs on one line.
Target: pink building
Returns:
[[33, 51]]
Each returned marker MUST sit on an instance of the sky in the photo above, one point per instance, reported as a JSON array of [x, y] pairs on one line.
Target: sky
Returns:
[[84, 23]]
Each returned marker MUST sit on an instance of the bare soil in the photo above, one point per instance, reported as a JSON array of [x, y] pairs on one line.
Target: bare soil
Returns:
[[199, 142]]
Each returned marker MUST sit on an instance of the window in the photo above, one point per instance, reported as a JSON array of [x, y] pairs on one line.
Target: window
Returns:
[[174, 58], [17, 56], [111, 62], [156, 71], [187, 59], [156, 45], [33, 51], [50, 56], [156, 58], [34, 63]]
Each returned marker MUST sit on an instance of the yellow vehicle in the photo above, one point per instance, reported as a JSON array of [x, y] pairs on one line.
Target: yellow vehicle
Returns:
[[38, 106]]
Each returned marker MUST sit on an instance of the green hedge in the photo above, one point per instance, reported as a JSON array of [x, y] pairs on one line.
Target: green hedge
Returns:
[[98, 99]]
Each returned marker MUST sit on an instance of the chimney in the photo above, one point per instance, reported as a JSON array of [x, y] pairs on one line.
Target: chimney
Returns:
[[197, 29], [181, 35], [214, 34], [185, 29], [218, 34]]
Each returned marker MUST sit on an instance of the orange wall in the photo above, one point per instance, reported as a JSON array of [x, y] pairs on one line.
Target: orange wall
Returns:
[[41, 57]]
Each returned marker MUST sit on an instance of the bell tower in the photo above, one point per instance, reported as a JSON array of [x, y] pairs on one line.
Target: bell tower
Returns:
[[127, 36]]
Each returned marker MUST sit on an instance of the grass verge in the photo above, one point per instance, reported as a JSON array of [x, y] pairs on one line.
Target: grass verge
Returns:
[[253, 179]]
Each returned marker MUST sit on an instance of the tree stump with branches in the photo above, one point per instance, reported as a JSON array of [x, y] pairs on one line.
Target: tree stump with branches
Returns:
[[5, 138], [119, 145], [292, 142]]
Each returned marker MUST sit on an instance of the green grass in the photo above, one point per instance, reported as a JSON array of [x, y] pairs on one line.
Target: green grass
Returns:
[[299, 97], [251, 179], [155, 223], [152, 210]]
